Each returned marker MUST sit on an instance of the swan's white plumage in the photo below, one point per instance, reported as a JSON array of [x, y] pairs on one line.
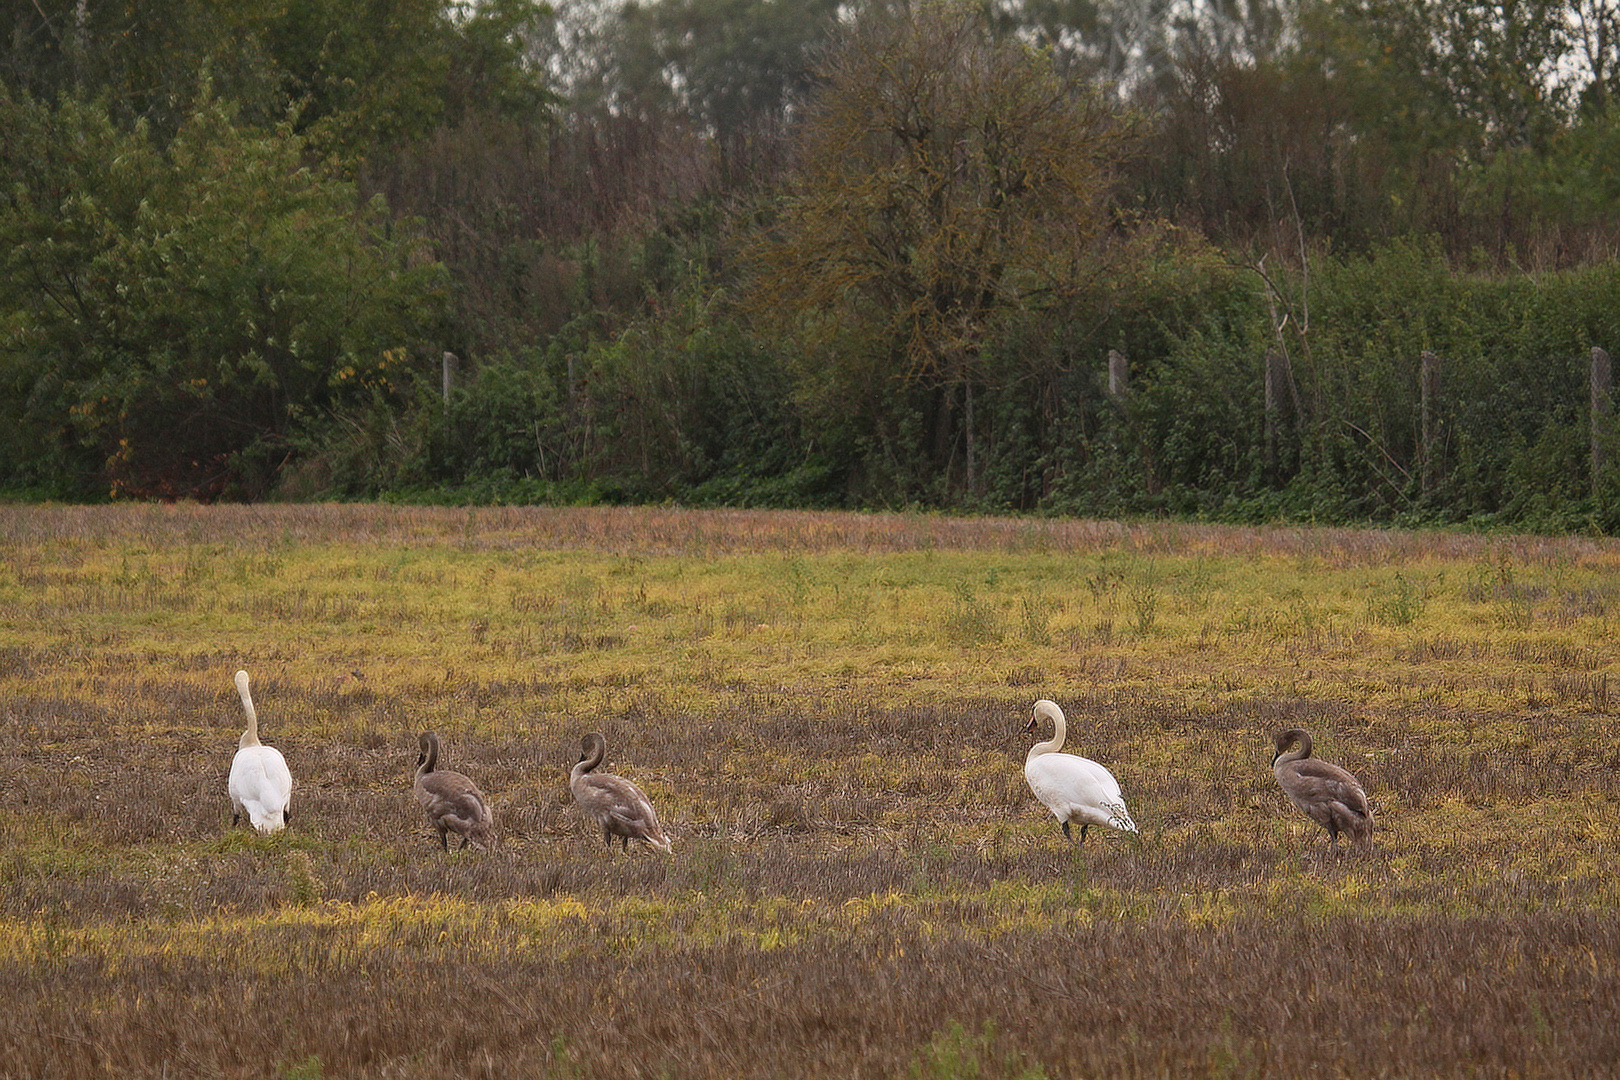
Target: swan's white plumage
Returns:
[[1076, 789], [260, 785]]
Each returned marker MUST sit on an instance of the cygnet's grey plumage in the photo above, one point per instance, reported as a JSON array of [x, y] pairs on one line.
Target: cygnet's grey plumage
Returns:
[[616, 804], [1325, 793], [451, 801]]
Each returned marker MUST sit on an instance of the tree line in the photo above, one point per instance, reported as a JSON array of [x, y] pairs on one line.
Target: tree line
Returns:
[[1331, 260]]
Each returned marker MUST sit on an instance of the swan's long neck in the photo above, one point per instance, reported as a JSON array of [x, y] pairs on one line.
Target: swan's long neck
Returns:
[[1055, 743], [595, 751], [250, 737]]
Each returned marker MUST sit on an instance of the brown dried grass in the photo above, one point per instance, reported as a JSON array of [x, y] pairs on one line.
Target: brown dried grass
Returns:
[[862, 885]]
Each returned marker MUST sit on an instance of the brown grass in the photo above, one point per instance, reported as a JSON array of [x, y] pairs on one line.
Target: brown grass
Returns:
[[862, 885]]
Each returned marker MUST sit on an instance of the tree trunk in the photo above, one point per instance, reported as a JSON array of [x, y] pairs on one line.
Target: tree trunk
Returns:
[[1602, 404], [972, 470], [1429, 393]]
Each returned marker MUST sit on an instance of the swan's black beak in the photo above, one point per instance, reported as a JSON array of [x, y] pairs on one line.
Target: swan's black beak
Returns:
[[1029, 725]]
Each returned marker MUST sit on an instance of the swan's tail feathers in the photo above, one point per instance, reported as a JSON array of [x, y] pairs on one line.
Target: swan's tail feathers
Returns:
[[1120, 818], [1359, 825], [266, 822]]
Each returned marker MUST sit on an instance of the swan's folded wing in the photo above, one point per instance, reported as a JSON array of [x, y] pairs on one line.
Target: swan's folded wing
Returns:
[[452, 799], [1045, 785], [467, 808], [1070, 778], [624, 801], [1320, 782], [259, 774]]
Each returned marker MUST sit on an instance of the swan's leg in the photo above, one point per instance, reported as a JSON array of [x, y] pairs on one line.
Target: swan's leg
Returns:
[[1083, 829], [236, 819], [1067, 835], [465, 840], [444, 841]]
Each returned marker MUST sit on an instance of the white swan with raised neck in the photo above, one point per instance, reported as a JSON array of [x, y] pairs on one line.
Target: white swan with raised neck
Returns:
[[1077, 790], [260, 784]]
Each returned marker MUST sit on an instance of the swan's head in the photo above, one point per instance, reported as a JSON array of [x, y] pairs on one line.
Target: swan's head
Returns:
[[1048, 709], [242, 683], [426, 744], [592, 745], [1286, 739]]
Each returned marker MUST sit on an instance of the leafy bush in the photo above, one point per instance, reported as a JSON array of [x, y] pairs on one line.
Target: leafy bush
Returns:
[[1509, 424], [684, 401], [508, 421], [172, 320]]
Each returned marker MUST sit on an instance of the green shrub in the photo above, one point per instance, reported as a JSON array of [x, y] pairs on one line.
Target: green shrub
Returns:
[[172, 320]]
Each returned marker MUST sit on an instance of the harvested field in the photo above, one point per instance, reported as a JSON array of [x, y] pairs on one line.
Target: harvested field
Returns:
[[827, 711]]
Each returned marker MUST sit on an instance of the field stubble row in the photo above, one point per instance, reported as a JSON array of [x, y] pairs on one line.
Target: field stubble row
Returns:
[[825, 708]]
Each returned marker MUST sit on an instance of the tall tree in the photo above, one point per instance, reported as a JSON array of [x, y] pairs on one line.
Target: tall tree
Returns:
[[357, 73], [1595, 32], [1472, 106], [1135, 46], [143, 59], [171, 322], [733, 68], [1488, 75], [948, 181], [395, 69]]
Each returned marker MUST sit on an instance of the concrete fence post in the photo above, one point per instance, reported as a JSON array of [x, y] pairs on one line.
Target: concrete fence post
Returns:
[[451, 362], [1119, 375]]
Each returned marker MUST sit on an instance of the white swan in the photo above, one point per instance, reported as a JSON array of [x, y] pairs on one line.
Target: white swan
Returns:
[[451, 801], [260, 786], [616, 804], [1075, 789]]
